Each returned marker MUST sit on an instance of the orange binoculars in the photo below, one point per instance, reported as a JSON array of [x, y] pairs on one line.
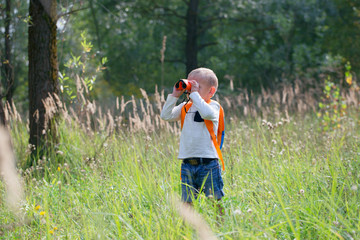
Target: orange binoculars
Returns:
[[183, 84]]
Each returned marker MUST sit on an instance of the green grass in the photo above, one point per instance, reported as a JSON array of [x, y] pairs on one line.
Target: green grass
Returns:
[[290, 182]]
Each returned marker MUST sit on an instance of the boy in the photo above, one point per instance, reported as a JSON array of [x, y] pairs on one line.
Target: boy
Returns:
[[200, 168]]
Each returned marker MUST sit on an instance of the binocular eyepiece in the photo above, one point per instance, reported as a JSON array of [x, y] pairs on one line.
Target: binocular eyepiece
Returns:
[[183, 84]]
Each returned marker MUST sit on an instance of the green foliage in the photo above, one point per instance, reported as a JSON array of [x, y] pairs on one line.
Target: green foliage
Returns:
[[259, 43], [332, 106], [80, 72], [342, 27]]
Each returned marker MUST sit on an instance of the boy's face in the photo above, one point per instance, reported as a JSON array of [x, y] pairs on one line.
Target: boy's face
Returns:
[[206, 91]]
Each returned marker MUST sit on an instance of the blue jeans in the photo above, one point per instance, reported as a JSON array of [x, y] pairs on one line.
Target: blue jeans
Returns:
[[201, 178]]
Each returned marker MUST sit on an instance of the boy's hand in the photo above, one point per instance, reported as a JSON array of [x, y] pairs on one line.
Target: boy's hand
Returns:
[[194, 86], [177, 93]]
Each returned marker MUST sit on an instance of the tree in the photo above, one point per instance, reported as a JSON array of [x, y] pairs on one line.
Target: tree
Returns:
[[8, 68], [8, 73], [2, 113], [342, 35], [43, 70]]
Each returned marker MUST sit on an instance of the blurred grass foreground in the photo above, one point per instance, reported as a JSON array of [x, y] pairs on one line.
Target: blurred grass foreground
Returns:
[[115, 174]]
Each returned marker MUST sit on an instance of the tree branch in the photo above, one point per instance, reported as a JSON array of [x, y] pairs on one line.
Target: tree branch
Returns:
[[173, 12], [260, 30], [207, 44], [70, 12], [246, 20]]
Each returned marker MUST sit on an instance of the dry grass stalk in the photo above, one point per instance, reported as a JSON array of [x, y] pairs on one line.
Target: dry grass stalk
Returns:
[[111, 125], [258, 102], [9, 173], [123, 105], [144, 114], [191, 217], [52, 108], [148, 104], [142, 108], [228, 102], [157, 99], [74, 115], [6, 113]]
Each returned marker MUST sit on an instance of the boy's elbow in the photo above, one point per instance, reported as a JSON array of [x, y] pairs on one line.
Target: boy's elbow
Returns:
[[163, 117], [209, 116]]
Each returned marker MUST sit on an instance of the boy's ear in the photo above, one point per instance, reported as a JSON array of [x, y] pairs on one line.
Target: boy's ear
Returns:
[[212, 90]]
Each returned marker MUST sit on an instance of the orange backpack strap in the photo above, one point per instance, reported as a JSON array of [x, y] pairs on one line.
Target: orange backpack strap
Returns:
[[184, 110], [221, 127], [210, 126]]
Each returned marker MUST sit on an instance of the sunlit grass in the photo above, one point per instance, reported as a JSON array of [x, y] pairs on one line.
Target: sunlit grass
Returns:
[[289, 182]]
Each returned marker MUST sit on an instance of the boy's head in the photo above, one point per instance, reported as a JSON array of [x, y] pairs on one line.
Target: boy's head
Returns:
[[208, 82]]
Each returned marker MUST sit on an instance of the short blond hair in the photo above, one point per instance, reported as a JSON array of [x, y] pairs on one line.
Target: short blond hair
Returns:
[[206, 74]]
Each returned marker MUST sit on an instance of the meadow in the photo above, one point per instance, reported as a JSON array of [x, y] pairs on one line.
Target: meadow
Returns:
[[285, 178]]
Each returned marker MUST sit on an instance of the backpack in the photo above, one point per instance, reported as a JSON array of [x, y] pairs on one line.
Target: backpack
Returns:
[[217, 139]]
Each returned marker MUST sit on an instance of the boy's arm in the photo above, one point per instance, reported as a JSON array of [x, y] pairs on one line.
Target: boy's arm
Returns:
[[207, 111], [170, 112]]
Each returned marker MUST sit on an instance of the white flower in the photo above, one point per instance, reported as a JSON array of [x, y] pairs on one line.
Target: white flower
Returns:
[[237, 212], [60, 152]]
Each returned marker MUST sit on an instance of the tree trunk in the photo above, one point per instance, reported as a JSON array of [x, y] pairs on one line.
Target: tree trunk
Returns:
[[8, 69], [2, 114], [43, 71], [191, 49]]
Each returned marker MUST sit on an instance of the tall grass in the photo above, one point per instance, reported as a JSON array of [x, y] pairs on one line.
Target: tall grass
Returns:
[[284, 180]]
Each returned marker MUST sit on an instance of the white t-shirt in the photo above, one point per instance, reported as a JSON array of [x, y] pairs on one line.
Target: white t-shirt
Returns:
[[195, 140]]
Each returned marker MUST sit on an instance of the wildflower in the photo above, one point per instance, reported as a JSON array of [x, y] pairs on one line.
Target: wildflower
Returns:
[[273, 141], [335, 223], [354, 188], [349, 79], [60, 152], [51, 232], [237, 212], [42, 213], [249, 210], [59, 169], [302, 191], [37, 207], [55, 228]]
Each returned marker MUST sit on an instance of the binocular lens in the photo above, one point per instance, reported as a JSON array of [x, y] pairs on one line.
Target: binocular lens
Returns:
[[183, 84]]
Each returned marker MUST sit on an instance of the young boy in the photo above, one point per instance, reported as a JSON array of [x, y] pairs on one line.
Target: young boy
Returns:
[[200, 168]]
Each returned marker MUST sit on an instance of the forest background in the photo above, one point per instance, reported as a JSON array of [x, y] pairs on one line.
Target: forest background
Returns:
[[140, 44]]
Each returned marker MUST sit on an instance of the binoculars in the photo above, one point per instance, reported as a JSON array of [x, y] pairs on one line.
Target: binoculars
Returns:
[[183, 84]]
